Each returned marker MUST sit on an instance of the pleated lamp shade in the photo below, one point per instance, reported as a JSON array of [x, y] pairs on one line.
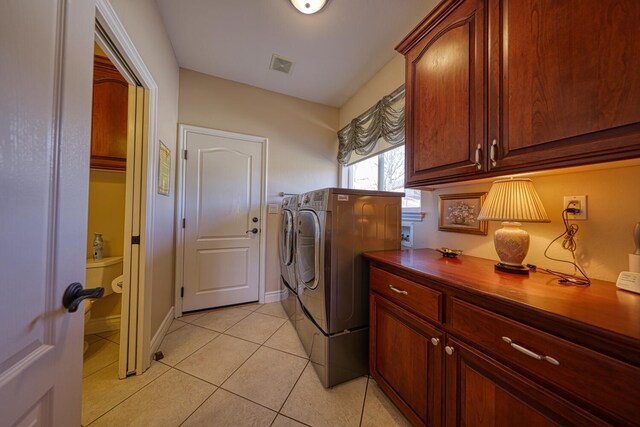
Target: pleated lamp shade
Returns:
[[513, 199]]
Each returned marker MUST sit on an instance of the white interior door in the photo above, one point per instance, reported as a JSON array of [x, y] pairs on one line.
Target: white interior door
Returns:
[[45, 120], [222, 205]]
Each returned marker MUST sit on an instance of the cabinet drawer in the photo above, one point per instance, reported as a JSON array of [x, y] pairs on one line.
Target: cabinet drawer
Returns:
[[423, 301], [601, 381]]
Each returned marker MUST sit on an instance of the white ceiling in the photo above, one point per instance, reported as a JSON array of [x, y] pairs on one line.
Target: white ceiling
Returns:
[[335, 51]]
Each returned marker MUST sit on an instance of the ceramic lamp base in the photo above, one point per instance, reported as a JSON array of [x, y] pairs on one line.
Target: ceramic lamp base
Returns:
[[512, 245], [513, 269]]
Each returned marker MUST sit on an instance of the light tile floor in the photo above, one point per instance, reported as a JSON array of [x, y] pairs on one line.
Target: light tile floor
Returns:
[[240, 366]]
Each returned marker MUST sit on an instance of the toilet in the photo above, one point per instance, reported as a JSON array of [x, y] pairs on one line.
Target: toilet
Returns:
[[100, 273]]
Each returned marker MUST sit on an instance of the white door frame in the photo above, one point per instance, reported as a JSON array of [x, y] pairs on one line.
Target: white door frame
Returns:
[[183, 130], [112, 26]]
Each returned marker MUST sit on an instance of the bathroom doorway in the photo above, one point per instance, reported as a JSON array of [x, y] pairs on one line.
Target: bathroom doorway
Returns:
[[115, 176], [121, 202]]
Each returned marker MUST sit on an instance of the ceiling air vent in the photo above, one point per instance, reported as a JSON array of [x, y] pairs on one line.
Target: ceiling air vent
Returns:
[[278, 63]]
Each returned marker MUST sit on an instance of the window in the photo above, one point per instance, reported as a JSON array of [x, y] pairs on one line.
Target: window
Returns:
[[384, 172]]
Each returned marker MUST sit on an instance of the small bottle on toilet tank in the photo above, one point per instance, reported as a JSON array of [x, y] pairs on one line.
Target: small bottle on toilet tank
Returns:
[[97, 246]]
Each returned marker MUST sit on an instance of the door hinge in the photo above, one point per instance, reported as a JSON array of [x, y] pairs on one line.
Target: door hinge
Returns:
[[185, 154], [135, 240], [182, 292], [184, 222]]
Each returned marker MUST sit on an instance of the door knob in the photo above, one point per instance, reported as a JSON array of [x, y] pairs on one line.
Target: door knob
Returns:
[[253, 230], [74, 295]]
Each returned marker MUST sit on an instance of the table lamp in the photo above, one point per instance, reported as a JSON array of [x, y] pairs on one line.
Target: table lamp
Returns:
[[512, 201]]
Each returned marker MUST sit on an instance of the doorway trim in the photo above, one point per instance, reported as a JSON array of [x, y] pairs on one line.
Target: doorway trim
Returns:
[[183, 130], [130, 62]]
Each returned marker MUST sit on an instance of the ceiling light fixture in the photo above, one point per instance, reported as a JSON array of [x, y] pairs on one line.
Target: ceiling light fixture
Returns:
[[308, 7]]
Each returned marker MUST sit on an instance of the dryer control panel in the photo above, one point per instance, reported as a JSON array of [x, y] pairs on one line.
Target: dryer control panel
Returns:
[[316, 200]]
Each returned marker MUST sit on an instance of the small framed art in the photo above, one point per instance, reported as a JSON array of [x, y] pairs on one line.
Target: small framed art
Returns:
[[164, 169], [459, 213]]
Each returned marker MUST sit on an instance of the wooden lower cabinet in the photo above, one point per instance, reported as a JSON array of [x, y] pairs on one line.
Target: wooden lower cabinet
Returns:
[[405, 359], [482, 392]]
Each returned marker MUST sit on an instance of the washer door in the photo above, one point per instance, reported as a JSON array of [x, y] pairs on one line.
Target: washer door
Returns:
[[308, 249], [286, 238]]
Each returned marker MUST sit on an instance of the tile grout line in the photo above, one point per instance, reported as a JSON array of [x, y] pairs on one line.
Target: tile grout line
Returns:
[[141, 388], [101, 369], [243, 363], [225, 380], [240, 366], [190, 354], [364, 401], [248, 400], [173, 367], [292, 419], [294, 386], [284, 351], [200, 405]]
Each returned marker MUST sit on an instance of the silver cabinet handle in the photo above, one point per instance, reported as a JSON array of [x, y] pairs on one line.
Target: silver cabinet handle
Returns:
[[478, 151], [435, 341], [449, 350], [530, 353], [492, 152], [398, 291]]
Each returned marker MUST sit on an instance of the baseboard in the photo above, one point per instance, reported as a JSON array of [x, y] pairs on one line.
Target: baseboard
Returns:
[[162, 331], [274, 296], [102, 324]]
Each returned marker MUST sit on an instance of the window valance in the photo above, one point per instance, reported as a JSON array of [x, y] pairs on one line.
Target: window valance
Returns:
[[384, 120]]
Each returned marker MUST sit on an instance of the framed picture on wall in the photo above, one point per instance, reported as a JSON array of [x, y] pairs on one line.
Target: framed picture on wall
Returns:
[[164, 169], [458, 213]]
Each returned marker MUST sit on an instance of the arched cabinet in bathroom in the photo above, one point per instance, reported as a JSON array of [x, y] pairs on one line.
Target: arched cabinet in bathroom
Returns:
[[109, 116]]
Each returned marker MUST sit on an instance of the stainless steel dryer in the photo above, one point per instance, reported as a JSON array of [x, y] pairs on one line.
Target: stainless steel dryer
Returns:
[[287, 259], [333, 227]]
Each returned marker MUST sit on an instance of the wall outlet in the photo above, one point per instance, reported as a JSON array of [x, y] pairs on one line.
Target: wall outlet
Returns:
[[577, 202]]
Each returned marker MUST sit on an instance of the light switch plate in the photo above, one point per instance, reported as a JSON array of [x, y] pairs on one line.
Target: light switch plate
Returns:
[[273, 208]]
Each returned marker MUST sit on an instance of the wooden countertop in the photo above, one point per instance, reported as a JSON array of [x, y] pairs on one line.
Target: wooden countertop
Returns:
[[601, 305]]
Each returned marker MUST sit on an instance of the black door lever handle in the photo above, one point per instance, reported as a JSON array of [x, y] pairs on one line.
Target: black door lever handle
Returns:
[[74, 295]]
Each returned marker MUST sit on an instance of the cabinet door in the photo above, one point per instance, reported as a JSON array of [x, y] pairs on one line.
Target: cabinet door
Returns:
[[405, 358], [482, 392], [564, 82], [445, 112], [109, 117]]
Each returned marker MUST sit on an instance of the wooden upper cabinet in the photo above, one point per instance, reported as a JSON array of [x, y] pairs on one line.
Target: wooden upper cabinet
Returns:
[[109, 117], [564, 82], [445, 112]]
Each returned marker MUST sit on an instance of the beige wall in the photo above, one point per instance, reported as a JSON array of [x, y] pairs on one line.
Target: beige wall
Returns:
[[302, 138], [106, 210], [106, 216], [143, 23], [383, 83], [604, 240]]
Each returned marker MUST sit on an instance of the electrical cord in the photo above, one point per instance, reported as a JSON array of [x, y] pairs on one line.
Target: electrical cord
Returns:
[[568, 243]]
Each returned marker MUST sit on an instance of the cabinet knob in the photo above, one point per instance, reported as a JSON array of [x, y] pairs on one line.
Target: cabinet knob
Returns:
[[435, 341], [449, 350]]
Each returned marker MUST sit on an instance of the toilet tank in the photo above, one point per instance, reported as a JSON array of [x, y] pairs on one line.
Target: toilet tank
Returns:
[[101, 272]]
